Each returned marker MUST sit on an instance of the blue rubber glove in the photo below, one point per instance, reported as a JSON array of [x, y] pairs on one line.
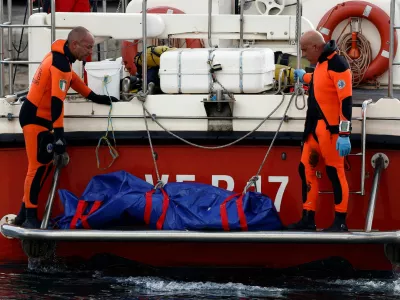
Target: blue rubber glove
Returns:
[[299, 73], [343, 145]]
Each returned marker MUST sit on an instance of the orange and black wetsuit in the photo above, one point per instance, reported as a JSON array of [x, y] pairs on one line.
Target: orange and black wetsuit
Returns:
[[42, 121], [43, 112], [329, 102]]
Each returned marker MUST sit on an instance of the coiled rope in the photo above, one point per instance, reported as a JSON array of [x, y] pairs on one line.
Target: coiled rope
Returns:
[[360, 65]]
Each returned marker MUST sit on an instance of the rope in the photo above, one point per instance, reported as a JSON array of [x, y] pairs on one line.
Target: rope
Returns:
[[153, 154], [113, 151], [298, 91], [359, 65], [153, 117]]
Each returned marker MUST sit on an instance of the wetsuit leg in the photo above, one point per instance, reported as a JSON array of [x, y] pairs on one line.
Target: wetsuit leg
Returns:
[[39, 148], [310, 158], [334, 167]]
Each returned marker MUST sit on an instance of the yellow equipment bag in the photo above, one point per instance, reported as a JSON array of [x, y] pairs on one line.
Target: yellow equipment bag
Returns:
[[153, 56], [289, 74]]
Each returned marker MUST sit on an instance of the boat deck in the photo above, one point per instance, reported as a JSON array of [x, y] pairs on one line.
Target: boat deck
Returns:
[[360, 95]]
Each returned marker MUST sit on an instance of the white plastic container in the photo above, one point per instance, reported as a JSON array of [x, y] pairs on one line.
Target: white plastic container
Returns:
[[249, 70], [104, 76]]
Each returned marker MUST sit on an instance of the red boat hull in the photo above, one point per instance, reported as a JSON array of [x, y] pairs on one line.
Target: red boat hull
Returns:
[[234, 165]]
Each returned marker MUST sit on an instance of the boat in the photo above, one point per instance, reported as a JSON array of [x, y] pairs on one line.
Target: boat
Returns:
[[234, 140]]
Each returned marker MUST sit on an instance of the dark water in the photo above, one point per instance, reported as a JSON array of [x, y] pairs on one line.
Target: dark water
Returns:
[[34, 281]]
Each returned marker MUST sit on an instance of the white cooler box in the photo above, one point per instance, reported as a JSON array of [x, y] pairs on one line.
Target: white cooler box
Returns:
[[248, 70]]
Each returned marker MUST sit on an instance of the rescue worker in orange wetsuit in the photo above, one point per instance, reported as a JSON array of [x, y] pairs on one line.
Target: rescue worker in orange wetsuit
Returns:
[[42, 114], [327, 128]]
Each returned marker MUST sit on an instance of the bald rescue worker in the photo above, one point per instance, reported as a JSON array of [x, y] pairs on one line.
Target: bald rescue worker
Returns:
[[42, 114], [327, 128]]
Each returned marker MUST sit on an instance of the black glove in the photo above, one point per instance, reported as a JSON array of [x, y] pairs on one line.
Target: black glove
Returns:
[[101, 99], [59, 141]]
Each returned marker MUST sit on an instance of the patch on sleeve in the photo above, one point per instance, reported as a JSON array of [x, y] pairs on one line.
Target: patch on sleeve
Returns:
[[63, 85], [341, 84]]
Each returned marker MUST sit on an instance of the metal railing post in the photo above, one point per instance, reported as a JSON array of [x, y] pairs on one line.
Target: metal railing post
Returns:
[[105, 44], [298, 31], [124, 5], [380, 164], [29, 7], [60, 161], [241, 23], [53, 21], [363, 143], [209, 22], [1, 49], [10, 49], [144, 43], [391, 48]]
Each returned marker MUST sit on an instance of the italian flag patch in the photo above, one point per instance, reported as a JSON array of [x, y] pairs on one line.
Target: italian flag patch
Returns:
[[63, 85]]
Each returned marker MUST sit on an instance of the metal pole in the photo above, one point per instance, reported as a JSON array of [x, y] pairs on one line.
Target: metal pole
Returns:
[[391, 49], [10, 49], [53, 21], [209, 22], [105, 44], [30, 7], [363, 143], [379, 164], [60, 161], [298, 30], [144, 43], [168, 236], [1, 50], [124, 5], [241, 23], [49, 204]]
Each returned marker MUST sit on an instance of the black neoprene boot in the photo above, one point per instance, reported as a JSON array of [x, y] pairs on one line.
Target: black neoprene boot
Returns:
[[32, 220], [339, 224], [307, 222], [20, 218]]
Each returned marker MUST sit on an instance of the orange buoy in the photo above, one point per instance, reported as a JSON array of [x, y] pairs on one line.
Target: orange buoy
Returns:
[[354, 52]]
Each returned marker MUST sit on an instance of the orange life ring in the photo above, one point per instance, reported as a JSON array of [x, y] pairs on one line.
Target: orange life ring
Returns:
[[129, 49], [374, 14]]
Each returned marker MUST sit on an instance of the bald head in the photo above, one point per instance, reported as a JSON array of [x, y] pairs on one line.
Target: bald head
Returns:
[[80, 42], [312, 37], [312, 45], [77, 34]]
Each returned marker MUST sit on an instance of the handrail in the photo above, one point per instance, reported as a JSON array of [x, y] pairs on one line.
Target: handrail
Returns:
[[379, 166], [270, 237], [363, 143], [10, 26], [60, 161]]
